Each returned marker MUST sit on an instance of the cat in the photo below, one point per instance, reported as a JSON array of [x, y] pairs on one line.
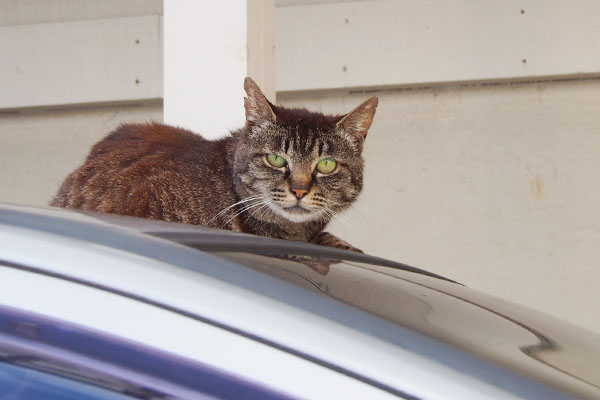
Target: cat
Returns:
[[285, 174]]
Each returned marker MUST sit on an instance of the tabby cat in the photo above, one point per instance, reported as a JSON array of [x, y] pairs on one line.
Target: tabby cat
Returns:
[[285, 174]]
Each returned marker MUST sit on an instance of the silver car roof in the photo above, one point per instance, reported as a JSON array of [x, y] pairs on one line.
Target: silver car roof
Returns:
[[374, 337]]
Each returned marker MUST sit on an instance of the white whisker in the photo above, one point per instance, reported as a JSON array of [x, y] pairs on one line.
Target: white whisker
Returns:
[[223, 211], [328, 214], [342, 218], [265, 210], [264, 207], [244, 209]]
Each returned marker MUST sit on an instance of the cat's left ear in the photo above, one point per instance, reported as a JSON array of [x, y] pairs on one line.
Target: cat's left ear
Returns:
[[258, 109], [357, 122]]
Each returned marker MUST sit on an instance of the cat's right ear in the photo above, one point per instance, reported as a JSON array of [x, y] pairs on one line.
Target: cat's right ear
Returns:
[[258, 109], [356, 124]]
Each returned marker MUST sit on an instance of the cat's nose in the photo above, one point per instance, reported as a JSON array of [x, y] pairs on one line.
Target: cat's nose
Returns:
[[300, 193]]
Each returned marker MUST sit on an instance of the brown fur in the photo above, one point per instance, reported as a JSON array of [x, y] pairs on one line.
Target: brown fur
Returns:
[[168, 173]]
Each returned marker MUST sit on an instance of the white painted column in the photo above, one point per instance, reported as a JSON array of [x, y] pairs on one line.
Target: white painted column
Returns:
[[206, 61]]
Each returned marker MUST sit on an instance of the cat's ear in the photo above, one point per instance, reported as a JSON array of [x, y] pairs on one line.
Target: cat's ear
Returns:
[[357, 122], [258, 109]]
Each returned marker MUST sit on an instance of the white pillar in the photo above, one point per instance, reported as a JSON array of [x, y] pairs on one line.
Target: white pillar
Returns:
[[206, 50], [261, 45]]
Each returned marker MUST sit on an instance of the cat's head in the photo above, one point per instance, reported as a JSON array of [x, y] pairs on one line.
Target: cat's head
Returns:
[[299, 165]]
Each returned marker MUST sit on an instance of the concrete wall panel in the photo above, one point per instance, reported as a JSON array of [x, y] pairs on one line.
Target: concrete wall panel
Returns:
[[395, 43], [55, 64], [20, 12]]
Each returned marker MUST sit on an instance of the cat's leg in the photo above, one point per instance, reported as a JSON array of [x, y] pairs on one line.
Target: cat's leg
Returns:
[[327, 239]]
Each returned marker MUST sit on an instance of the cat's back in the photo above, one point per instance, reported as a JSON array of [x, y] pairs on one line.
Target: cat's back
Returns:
[[137, 169], [137, 140]]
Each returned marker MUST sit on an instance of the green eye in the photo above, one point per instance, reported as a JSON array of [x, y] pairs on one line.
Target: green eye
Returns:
[[276, 161], [326, 166]]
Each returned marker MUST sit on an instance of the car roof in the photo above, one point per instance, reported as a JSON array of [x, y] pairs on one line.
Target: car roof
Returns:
[[428, 314]]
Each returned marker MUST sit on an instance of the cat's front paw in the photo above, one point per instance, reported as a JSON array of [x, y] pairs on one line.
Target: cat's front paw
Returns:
[[327, 239]]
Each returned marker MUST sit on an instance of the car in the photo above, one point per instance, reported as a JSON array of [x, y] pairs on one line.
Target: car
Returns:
[[103, 306]]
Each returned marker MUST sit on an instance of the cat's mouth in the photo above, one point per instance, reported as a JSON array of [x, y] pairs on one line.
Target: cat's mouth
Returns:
[[296, 213], [297, 209]]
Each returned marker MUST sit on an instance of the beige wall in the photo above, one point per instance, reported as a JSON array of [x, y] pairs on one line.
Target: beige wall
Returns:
[[385, 43], [489, 184], [493, 186], [71, 72]]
